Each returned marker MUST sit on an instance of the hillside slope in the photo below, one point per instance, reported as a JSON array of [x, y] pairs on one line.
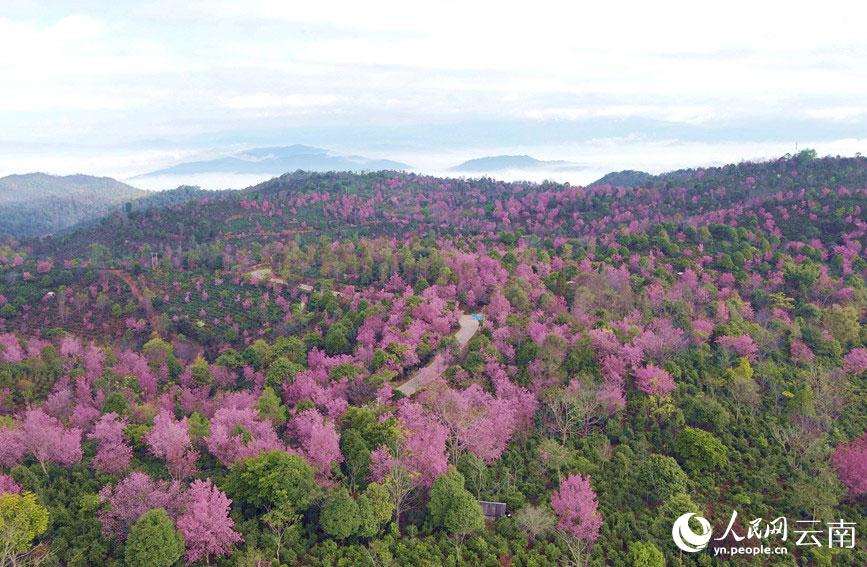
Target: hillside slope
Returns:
[[697, 343], [35, 204]]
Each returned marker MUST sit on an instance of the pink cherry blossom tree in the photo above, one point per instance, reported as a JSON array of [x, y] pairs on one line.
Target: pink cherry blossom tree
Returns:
[[132, 497], [654, 381], [12, 449], [113, 454], [742, 345], [46, 439], [423, 442], [578, 518], [850, 460], [855, 361], [320, 442], [205, 523], [170, 440], [8, 485], [237, 433]]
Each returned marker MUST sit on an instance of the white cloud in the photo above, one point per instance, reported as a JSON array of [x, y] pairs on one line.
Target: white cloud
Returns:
[[269, 101], [694, 114], [137, 70], [839, 113]]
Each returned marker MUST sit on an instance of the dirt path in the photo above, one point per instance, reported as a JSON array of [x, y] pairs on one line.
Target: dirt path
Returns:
[[439, 363], [144, 302]]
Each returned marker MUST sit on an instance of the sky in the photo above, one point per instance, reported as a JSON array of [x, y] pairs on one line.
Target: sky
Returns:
[[121, 88]]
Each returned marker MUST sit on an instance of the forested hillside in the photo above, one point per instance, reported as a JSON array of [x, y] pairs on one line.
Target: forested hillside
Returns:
[[36, 203], [222, 380]]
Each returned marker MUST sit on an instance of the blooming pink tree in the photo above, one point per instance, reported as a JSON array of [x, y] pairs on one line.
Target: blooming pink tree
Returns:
[[477, 421], [132, 497], [8, 485], [577, 512], [523, 403], [170, 440], [94, 362], [801, 352], [45, 438], [113, 454], [10, 348], [743, 345], [498, 307], [319, 440], [237, 433], [381, 463], [661, 340], [855, 361], [850, 460], [11, 447], [133, 364], [611, 394], [654, 381], [205, 523], [423, 442]]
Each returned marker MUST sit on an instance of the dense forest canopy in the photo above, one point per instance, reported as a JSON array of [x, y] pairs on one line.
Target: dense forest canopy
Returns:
[[222, 379], [37, 204]]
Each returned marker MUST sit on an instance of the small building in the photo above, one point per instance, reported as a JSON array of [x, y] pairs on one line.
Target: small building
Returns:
[[493, 510], [477, 317]]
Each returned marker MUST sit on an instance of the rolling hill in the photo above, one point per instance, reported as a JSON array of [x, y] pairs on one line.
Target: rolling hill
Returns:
[[708, 324], [626, 178], [36, 204]]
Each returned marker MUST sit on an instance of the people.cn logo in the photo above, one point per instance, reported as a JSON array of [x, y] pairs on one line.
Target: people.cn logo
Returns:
[[688, 540]]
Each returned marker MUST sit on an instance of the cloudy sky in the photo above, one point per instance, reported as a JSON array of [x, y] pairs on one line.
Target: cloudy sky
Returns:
[[120, 88]]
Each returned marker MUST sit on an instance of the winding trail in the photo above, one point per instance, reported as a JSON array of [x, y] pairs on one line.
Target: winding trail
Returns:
[[145, 303], [438, 364]]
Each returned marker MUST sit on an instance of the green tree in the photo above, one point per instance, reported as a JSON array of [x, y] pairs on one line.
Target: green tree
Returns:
[[291, 348], [339, 516], [645, 554], [153, 541], [201, 372], [801, 276], [281, 371], [699, 450], [337, 340], [374, 509], [843, 323], [270, 407], [660, 477], [117, 403], [356, 456], [22, 519], [271, 479], [157, 351], [200, 427], [452, 506]]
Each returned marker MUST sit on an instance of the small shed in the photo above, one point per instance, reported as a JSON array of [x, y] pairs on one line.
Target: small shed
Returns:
[[493, 510]]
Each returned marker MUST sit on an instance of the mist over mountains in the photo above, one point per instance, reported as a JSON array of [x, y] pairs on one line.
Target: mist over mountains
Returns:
[[278, 160], [513, 162]]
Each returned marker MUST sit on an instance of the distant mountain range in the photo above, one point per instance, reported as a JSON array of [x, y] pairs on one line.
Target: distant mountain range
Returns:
[[35, 204], [504, 162], [279, 160]]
